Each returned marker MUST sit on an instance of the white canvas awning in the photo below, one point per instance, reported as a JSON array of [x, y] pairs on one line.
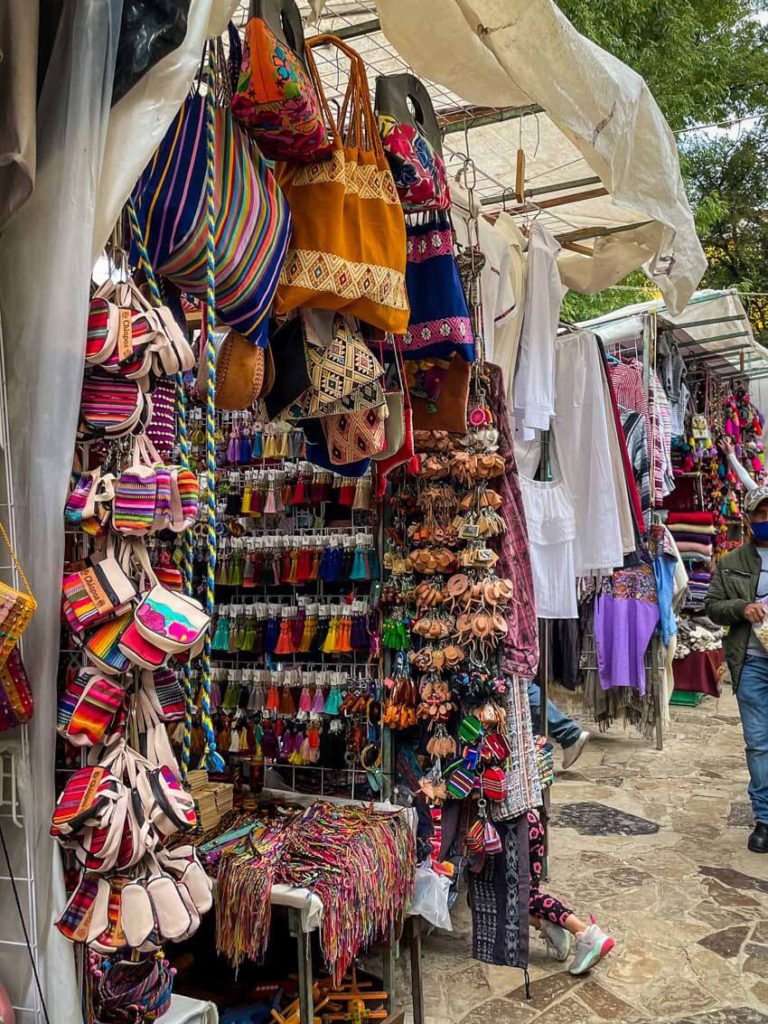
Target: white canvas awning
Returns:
[[515, 73], [713, 330]]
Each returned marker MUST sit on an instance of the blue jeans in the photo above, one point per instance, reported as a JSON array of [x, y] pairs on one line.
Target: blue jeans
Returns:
[[559, 727], [752, 697]]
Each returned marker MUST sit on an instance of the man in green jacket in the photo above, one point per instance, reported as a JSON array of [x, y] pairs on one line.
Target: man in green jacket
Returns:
[[735, 600]]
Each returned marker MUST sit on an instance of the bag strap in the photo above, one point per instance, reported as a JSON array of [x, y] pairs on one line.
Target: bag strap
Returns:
[[357, 96], [140, 551], [16, 562]]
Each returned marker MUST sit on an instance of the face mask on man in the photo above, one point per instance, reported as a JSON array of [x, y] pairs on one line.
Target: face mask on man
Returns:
[[759, 530]]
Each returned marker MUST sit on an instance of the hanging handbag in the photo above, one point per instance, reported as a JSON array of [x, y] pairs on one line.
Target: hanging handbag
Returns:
[[439, 323], [386, 463], [87, 504], [253, 223], [16, 703], [110, 406], [88, 707], [288, 346], [348, 244], [275, 101], [133, 510], [449, 412], [16, 607], [394, 424], [344, 374], [351, 436], [171, 621], [96, 590], [244, 372], [164, 692], [102, 645], [411, 139]]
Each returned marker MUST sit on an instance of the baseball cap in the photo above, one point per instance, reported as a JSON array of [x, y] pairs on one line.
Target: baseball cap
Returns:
[[755, 498]]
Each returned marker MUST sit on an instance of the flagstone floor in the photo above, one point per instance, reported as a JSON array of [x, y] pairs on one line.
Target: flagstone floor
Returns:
[[654, 845]]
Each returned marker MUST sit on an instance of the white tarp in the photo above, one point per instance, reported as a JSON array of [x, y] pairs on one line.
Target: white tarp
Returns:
[[600, 120], [724, 310]]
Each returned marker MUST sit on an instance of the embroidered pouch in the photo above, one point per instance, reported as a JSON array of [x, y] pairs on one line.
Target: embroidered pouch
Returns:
[[275, 101]]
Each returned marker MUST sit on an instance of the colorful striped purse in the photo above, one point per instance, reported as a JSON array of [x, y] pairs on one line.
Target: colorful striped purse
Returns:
[[95, 591], [88, 708], [253, 223], [133, 511]]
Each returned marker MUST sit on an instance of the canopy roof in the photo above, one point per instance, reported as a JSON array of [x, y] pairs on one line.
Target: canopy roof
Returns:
[[602, 169], [713, 329]]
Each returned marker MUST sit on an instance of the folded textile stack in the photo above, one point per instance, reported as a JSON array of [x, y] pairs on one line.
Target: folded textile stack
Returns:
[[698, 585], [694, 535], [693, 532]]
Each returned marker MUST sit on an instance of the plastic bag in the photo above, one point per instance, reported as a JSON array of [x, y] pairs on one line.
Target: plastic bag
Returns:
[[760, 629], [430, 898], [149, 31]]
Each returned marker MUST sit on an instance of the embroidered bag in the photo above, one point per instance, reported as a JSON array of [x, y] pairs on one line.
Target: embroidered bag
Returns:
[[411, 140], [344, 373], [253, 222], [355, 435], [348, 244], [16, 608], [439, 323], [275, 101], [140, 651]]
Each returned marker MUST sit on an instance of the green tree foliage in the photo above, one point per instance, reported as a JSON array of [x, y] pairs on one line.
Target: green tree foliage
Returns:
[[704, 60], [727, 181]]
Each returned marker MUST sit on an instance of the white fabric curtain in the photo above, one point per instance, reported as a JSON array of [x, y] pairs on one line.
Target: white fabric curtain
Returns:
[[45, 268], [88, 160]]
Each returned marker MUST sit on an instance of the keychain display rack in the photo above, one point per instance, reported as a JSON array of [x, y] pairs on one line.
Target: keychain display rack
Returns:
[[295, 668]]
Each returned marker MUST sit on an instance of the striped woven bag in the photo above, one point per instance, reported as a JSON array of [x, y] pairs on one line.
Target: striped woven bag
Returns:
[[252, 218]]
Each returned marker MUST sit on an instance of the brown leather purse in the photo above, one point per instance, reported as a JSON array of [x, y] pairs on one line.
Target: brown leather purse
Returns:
[[449, 412], [244, 373]]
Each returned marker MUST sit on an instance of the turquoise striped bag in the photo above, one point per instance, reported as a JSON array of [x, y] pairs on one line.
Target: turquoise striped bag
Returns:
[[252, 218]]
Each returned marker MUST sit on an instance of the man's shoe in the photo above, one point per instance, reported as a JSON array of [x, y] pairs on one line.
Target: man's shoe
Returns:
[[572, 753], [758, 841]]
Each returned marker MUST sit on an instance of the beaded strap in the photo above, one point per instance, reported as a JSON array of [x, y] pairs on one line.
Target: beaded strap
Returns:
[[212, 760]]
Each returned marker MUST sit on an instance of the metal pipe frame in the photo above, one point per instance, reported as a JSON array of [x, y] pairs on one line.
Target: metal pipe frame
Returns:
[[717, 337]]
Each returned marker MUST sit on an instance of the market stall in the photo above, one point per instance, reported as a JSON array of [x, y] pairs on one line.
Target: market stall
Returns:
[[308, 520], [705, 359]]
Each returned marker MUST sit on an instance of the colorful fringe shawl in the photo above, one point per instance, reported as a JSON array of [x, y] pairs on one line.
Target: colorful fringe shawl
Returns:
[[360, 863]]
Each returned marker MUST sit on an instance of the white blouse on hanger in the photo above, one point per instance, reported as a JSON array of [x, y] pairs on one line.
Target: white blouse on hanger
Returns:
[[497, 300], [535, 377]]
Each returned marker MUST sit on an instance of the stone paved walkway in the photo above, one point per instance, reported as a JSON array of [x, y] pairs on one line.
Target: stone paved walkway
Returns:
[[654, 845]]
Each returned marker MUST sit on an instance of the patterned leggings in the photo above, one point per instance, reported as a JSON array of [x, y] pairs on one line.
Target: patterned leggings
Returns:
[[539, 904]]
